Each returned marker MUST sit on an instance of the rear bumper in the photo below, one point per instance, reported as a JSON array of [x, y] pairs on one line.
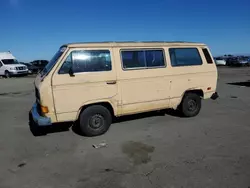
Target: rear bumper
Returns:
[[37, 118], [214, 96]]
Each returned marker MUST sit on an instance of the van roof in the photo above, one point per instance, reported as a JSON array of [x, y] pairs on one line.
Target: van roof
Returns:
[[133, 43]]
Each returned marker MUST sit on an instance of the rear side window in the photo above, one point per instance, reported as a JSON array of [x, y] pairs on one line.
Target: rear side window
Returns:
[[207, 56], [87, 61], [133, 59], [184, 57]]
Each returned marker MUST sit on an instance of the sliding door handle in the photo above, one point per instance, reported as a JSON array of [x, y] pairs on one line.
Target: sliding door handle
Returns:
[[111, 82]]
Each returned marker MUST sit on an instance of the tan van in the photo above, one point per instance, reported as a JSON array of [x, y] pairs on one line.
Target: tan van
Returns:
[[94, 82]]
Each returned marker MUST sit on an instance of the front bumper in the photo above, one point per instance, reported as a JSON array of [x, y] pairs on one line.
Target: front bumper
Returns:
[[18, 72], [37, 118]]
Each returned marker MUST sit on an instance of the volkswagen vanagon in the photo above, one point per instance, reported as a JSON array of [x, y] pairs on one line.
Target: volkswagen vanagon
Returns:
[[91, 83]]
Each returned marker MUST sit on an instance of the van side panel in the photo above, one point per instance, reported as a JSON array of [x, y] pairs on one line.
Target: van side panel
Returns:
[[142, 89], [130, 91]]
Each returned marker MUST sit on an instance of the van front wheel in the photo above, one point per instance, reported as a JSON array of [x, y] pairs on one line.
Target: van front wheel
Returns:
[[95, 120], [191, 105]]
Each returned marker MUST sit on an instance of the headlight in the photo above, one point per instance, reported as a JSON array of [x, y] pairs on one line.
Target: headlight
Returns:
[[12, 68]]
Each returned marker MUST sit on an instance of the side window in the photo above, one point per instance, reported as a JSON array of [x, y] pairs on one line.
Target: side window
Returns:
[[133, 59], [142, 59], [66, 65], [155, 58], [91, 61], [87, 61], [1, 64], [184, 57], [207, 56]]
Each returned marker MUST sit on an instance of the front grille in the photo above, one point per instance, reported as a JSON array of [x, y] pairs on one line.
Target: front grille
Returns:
[[20, 68]]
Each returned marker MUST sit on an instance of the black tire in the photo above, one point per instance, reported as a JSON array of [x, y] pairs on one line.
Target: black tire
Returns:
[[190, 105], [95, 120], [7, 74]]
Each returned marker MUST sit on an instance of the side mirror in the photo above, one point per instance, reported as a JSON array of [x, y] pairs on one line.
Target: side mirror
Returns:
[[71, 72]]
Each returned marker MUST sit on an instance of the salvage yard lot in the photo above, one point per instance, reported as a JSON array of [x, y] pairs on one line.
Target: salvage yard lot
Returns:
[[148, 150]]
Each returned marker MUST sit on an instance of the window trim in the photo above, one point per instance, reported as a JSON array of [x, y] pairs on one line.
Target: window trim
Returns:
[[65, 56], [73, 50], [143, 49], [184, 48], [210, 57]]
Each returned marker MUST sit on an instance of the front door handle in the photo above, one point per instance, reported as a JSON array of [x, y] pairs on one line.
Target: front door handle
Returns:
[[111, 82]]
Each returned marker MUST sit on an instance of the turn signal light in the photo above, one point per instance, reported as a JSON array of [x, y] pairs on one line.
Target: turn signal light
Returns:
[[44, 109]]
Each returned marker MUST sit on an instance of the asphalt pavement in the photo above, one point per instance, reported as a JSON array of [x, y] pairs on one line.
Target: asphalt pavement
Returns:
[[155, 149]]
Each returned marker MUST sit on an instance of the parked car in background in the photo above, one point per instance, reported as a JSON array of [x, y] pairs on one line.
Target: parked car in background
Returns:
[[32, 69], [244, 60], [40, 64], [238, 61], [220, 61], [10, 66], [248, 60]]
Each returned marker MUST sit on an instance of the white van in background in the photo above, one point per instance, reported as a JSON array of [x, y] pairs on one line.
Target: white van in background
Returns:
[[220, 61], [9, 65]]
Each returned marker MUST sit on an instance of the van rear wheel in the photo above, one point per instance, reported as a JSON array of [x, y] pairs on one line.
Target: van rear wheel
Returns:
[[95, 120], [191, 105]]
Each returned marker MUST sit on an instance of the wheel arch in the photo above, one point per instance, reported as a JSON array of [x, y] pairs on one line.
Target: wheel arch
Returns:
[[184, 106], [197, 91], [105, 104], [5, 72]]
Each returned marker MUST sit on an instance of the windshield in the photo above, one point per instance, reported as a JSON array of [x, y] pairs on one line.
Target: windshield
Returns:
[[9, 61], [53, 61]]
